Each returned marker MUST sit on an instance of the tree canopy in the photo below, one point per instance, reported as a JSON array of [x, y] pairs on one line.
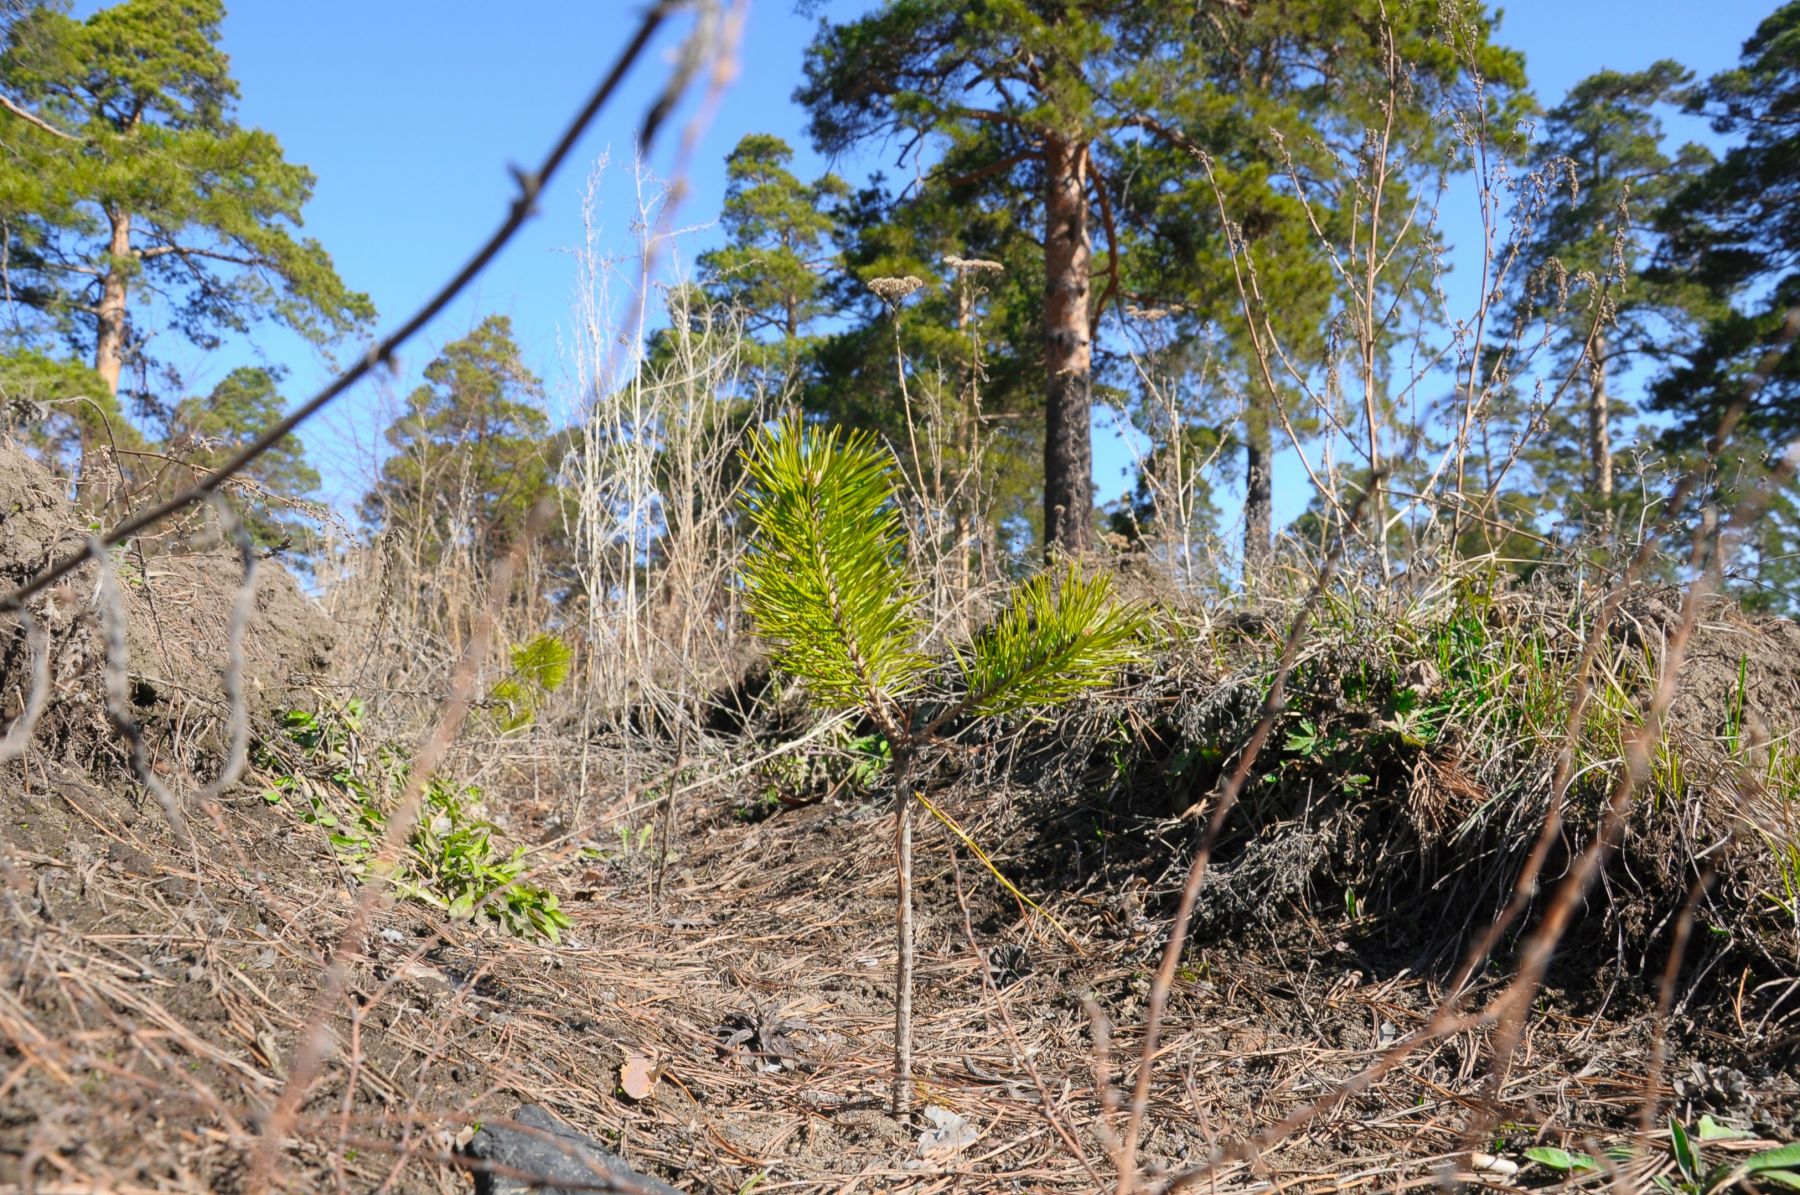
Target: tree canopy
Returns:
[[1092, 116], [1733, 231], [206, 431], [472, 450], [127, 186], [1610, 180], [773, 267]]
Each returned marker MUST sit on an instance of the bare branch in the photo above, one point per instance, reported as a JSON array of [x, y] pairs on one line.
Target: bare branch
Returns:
[[118, 687], [156, 251], [237, 753], [32, 118], [37, 646]]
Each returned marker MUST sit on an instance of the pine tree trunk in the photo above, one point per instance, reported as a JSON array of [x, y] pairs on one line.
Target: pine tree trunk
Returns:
[[1259, 451], [1600, 464], [109, 337], [903, 933], [1068, 398]]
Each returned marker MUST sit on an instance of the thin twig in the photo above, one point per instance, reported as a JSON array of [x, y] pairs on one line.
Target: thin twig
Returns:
[[1225, 799], [37, 650], [531, 185], [237, 751], [118, 689]]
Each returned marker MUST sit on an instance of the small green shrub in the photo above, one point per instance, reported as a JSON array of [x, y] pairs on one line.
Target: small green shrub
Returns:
[[450, 861], [829, 588], [846, 762], [1778, 1167], [540, 667]]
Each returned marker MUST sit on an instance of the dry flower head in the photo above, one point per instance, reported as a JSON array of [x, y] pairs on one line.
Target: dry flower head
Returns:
[[892, 290], [973, 265]]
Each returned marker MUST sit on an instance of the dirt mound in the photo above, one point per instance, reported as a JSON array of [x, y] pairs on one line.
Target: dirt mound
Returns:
[[111, 917], [1741, 671], [178, 611], [1413, 767]]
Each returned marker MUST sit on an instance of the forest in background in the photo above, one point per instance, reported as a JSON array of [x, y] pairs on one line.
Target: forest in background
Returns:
[[1222, 230]]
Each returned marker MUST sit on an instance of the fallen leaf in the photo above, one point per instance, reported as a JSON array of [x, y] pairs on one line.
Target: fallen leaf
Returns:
[[637, 1076]]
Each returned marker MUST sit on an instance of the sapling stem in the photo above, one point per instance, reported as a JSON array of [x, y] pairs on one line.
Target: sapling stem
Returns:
[[903, 932]]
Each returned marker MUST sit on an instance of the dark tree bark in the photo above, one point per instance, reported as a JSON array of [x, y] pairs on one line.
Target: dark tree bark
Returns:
[[1259, 453], [1068, 361]]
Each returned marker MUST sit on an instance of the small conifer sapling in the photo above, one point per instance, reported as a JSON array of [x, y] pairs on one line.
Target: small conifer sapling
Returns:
[[829, 588]]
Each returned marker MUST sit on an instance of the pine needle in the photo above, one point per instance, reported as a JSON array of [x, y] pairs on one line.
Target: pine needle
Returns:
[[975, 849]]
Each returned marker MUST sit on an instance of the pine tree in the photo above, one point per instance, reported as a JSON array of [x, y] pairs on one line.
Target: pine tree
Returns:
[[1279, 201], [1609, 179], [827, 585], [773, 268], [913, 68], [125, 179], [1043, 107], [973, 380], [207, 431], [1733, 231], [472, 450]]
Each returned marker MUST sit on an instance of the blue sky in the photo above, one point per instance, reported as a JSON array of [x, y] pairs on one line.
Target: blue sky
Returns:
[[410, 111]]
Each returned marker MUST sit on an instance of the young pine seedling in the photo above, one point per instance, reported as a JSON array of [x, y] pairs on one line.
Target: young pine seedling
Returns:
[[828, 587]]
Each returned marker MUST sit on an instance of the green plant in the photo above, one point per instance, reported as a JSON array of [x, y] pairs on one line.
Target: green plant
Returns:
[[828, 586], [1779, 1166], [1773, 784], [457, 868], [846, 761], [540, 668], [450, 861], [870, 756], [1734, 714], [633, 844]]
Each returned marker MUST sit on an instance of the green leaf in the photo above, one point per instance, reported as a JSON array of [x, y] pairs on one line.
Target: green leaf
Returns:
[[1787, 1157], [1786, 1178], [823, 575], [1560, 1159], [1711, 1130], [1303, 740], [1685, 1157]]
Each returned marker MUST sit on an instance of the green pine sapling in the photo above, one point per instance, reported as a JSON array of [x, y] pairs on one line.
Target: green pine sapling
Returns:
[[828, 587]]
